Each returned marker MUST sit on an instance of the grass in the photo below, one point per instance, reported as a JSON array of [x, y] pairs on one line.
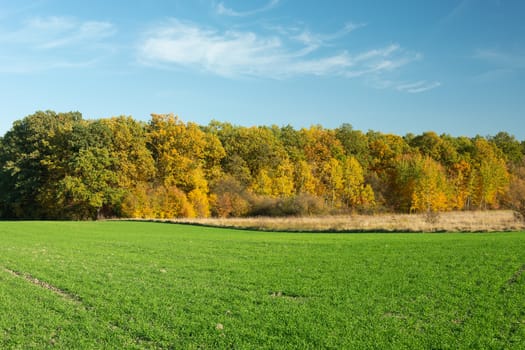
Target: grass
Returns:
[[459, 221], [138, 285]]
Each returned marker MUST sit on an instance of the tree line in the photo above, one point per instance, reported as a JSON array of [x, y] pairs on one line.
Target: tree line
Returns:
[[62, 166]]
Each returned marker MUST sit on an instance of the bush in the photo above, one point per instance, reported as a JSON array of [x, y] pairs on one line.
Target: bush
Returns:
[[305, 204], [299, 205], [228, 204], [229, 198]]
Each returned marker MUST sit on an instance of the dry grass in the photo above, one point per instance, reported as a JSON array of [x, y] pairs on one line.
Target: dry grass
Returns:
[[471, 221]]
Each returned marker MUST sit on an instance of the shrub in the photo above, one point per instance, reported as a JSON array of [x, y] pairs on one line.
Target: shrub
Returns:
[[299, 205], [229, 198]]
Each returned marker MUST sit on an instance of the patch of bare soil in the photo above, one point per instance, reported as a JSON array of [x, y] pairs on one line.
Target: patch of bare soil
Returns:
[[515, 277], [33, 280]]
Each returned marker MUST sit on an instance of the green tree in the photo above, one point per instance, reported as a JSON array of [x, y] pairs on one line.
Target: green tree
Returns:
[[256, 158], [33, 159], [510, 147], [92, 186], [132, 160], [90, 189], [354, 143], [436, 147]]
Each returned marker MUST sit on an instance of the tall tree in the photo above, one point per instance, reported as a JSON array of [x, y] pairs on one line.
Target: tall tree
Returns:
[[132, 160], [491, 175], [354, 143], [33, 159], [431, 191], [356, 194], [178, 150], [510, 147], [402, 182]]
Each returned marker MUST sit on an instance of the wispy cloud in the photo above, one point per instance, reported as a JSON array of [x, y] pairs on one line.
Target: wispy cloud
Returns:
[[248, 54], [500, 64], [54, 32], [502, 59], [313, 41], [411, 87], [222, 9], [456, 12], [62, 32], [44, 43], [418, 87]]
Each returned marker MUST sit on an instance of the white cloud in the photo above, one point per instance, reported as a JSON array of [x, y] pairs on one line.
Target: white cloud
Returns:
[[313, 41], [244, 53], [221, 9], [416, 87], [54, 32], [44, 43]]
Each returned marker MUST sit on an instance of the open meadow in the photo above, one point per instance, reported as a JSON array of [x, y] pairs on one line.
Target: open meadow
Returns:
[[142, 285]]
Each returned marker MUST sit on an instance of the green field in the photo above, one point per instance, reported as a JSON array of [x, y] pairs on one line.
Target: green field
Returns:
[[130, 285]]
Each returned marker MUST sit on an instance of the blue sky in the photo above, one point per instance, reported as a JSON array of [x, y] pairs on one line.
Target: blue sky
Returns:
[[455, 67]]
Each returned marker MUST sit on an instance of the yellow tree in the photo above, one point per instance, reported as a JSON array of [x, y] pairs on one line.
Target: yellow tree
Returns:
[[320, 145], [170, 202], [460, 179], [304, 180], [184, 155], [177, 148], [431, 191], [355, 192], [277, 182], [133, 161], [161, 202], [262, 183], [332, 179], [283, 179], [491, 178], [386, 150], [322, 151], [137, 202]]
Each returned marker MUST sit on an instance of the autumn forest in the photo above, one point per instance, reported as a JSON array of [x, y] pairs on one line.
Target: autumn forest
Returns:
[[62, 166]]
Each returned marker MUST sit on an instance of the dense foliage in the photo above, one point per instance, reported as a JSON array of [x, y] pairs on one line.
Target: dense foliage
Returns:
[[59, 165]]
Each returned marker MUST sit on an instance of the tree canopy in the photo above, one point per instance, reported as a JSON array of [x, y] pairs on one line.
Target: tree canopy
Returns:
[[60, 165]]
